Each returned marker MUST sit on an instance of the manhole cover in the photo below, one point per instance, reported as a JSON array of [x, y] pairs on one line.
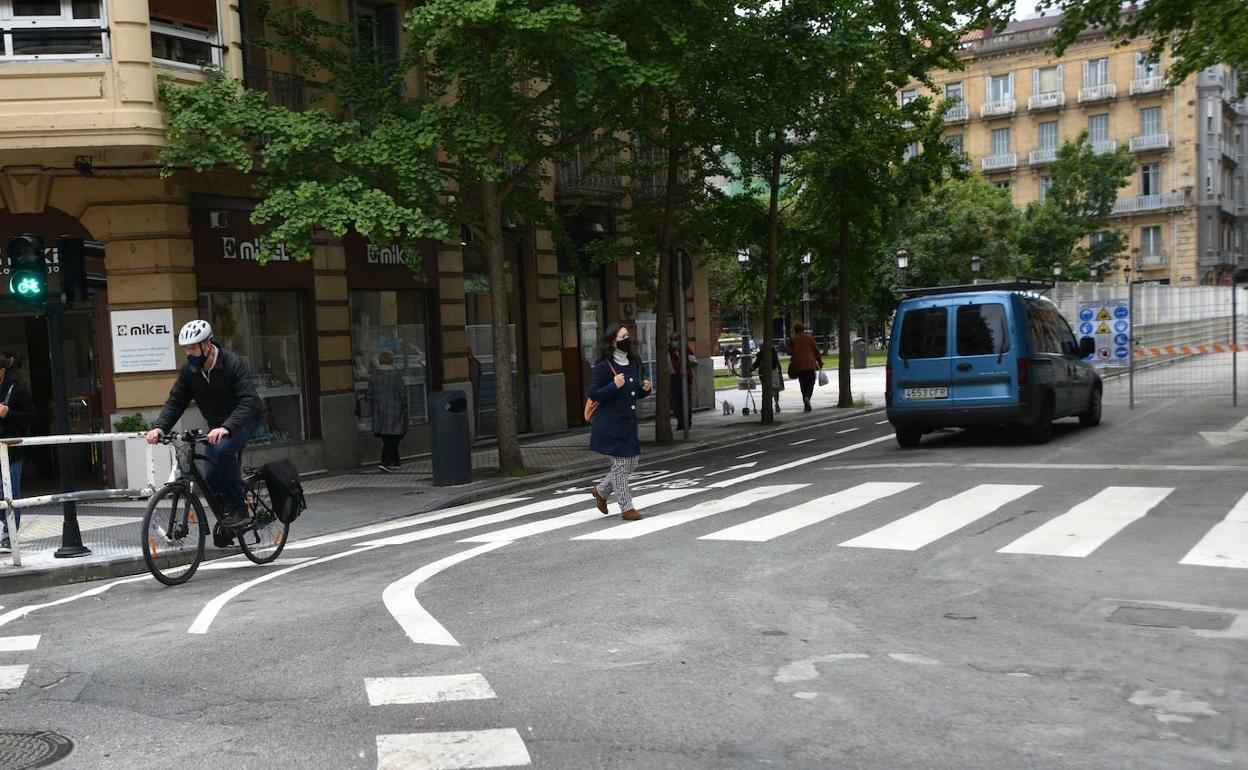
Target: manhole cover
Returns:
[[37, 748], [1161, 617]]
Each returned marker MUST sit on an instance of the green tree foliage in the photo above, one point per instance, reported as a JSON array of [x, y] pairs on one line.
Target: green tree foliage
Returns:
[[1200, 33]]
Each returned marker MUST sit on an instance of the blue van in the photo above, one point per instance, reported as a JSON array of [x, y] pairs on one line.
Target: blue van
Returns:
[[995, 354]]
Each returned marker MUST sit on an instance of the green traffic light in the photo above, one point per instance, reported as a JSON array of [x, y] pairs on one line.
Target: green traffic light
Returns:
[[27, 286]]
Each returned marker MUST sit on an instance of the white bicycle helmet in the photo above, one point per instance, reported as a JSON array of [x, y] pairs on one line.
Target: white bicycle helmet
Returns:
[[194, 331]]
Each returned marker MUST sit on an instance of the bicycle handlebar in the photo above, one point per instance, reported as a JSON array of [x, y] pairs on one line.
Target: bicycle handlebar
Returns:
[[193, 436]]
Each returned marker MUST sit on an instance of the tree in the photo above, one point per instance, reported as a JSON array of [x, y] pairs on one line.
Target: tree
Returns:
[[1200, 33], [1076, 206]]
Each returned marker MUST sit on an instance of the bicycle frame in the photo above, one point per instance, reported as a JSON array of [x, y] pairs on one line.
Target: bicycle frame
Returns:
[[195, 478]]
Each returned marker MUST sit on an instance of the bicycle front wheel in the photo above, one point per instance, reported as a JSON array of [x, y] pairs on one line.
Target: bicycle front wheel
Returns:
[[263, 539], [174, 530]]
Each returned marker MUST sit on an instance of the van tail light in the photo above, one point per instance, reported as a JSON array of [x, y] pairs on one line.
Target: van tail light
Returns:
[[1022, 372], [888, 378]]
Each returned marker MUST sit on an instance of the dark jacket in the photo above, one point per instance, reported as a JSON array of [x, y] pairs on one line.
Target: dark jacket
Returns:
[[226, 397], [388, 393], [614, 428], [21, 413]]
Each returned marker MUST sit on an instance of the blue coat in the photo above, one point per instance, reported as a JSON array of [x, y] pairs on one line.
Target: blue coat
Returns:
[[614, 428]]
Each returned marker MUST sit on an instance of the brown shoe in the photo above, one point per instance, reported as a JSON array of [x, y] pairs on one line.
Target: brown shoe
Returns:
[[599, 500], [632, 514]]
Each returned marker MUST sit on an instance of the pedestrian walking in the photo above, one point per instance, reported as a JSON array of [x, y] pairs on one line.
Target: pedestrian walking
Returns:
[[777, 374], [17, 414], [805, 362], [388, 393], [683, 412], [617, 386]]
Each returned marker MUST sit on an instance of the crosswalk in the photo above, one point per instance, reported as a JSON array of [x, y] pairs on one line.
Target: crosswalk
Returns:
[[13, 674]]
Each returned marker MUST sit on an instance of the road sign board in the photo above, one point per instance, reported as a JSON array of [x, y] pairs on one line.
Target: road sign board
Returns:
[[1108, 322], [1085, 328]]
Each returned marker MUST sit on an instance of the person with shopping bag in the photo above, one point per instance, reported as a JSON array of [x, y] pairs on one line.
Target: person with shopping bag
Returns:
[[805, 363], [617, 386], [777, 374]]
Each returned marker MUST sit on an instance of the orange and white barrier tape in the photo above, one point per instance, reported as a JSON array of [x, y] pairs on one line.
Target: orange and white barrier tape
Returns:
[[1190, 350]]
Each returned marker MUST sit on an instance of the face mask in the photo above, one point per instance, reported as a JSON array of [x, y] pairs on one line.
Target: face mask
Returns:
[[197, 360], [624, 345], [675, 345]]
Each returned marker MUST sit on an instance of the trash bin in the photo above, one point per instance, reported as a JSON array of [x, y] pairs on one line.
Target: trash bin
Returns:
[[449, 437], [860, 353]]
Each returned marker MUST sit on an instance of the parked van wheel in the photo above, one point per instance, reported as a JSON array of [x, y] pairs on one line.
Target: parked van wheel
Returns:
[[1042, 430], [1092, 417], [908, 438]]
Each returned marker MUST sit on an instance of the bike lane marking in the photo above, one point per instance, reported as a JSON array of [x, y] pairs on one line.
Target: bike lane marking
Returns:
[[22, 612], [400, 599]]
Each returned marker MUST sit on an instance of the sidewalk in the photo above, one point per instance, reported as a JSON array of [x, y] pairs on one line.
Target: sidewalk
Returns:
[[368, 496]]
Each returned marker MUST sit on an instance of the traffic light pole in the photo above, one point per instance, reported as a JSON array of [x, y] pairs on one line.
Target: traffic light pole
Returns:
[[71, 536]]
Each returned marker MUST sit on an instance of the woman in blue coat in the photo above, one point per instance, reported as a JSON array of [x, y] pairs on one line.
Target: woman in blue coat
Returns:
[[617, 386]]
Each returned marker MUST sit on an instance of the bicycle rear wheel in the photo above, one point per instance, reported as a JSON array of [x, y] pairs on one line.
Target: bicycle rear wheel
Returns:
[[263, 539], [174, 530]]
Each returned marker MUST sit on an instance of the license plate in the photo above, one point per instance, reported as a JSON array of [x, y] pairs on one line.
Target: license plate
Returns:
[[921, 394]]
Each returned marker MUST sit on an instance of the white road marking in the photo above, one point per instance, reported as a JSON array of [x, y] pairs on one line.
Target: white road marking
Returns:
[[451, 750], [732, 468], [810, 512], [882, 422], [641, 479], [798, 463], [22, 612], [1226, 545], [631, 529], [942, 518], [409, 521], [18, 643], [752, 454], [1087, 526], [11, 677], [803, 441], [512, 534], [400, 599], [230, 563], [1044, 467], [847, 430], [483, 521], [205, 617], [406, 690]]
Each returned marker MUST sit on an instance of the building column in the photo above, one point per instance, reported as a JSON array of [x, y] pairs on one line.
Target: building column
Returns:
[[452, 315], [333, 354], [547, 384]]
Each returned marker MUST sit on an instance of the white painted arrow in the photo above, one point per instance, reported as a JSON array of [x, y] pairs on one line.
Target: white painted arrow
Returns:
[[1226, 438], [740, 467]]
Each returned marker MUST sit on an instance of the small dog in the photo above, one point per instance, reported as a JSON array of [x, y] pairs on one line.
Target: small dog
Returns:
[[729, 408]]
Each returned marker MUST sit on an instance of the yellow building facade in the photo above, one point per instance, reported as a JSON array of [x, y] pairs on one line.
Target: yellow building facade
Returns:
[[1184, 209], [81, 130]]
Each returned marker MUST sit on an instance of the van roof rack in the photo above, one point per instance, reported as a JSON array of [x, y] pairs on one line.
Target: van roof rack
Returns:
[[1021, 284]]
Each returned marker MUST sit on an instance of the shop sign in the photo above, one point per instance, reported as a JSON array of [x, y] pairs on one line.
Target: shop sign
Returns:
[[385, 255], [234, 248], [143, 340]]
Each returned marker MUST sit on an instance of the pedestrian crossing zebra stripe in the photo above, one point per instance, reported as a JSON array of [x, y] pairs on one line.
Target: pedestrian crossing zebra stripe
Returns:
[[404, 523], [19, 643], [408, 690], [809, 513], [1087, 526], [483, 521], [798, 463], [11, 677], [522, 531], [1226, 545], [452, 750], [649, 525], [942, 518]]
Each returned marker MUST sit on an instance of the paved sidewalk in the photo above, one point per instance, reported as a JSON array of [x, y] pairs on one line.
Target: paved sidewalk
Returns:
[[367, 496]]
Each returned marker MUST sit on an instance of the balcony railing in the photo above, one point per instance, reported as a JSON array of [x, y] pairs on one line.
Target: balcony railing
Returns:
[[1156, 259], [1005, 161], [1103, 146], [1050, 101], [1133, 204], [1042, 156], [589, 170], [651, 172], [958, 113], [1228, 205], [1148, 85], [283, 89], [999, 107], [1215, 257], [1097, 93], [1228, 150], [1150, 142]]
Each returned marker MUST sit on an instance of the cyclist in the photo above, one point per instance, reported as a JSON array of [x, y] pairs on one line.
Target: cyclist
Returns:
[[220, 383]]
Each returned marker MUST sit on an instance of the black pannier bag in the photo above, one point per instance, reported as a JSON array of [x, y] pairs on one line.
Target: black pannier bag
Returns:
[[285, 489]]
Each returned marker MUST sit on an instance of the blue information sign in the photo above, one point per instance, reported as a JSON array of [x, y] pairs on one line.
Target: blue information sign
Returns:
[[1120, 352], [1121, 312], [1085, 314], [1121, 326]]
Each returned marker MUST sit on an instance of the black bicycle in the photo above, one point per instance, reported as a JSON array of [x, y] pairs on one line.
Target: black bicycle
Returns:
[[175, 528]]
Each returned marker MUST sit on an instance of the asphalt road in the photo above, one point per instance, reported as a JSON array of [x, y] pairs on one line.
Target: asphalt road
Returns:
[[820, 599]]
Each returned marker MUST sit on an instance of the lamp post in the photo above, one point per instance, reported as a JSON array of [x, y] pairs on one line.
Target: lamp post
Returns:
[[976, 265], [743, 363], [1126, 276], [806, 292], [903, 262], [1057, 270]]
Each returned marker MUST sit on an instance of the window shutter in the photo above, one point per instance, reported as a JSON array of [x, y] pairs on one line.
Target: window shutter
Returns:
[[988, 94], [1086, 70], [1060, 85], [1035, 80], [1011, 85]]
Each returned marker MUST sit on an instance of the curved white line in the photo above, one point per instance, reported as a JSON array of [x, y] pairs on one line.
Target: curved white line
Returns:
[[210, 610], [400, 599], [22, 612]]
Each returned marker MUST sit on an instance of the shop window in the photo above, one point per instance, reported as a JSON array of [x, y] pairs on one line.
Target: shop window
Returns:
[[53, 29], [185, 32], [263, 327], [398, 322]]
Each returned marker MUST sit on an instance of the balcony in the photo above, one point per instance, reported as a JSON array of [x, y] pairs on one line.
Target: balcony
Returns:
[[1100, 93], [1150, 142], [1149, 85], [1104, 146], [283, 89], [1051, 101], [589, 170], [1004, 162], [1042, 156], [998, 108], [1228, 150], [1136, 204], [958, 113], [1228, 205], [1216, 257], [650, 172], [1152, 261]]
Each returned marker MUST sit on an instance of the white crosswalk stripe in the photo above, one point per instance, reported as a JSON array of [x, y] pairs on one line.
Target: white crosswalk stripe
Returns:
[[1087, 526], [1226, 545], [451, 750], [18, 643], [655, 523], [383, 691], [572, 519], [942, 518], [808, 513], [483, 521], [11, 677], [404, 523]]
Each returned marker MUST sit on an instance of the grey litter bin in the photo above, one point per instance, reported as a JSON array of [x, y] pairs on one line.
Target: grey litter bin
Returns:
[[449, 437], [860, 353]]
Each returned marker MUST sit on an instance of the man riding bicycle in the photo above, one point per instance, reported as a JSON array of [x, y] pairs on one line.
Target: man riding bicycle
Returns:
[[220, 383]]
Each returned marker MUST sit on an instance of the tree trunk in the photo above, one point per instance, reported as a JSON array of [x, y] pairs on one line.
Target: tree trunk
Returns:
[[509, 456], [845, 398], [664, 296], [773, 271]]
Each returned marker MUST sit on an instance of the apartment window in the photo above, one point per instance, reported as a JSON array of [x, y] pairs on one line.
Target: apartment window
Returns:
[[1048, 135], [1045, 183], [185, 33], [908, 96], [1150, 121], [1150, 245], [1000, 87], [377, 29], [912, 151], [1001, 141], [1096, 72], [1002, 184], [53, 29], [1145, 67], [953, 92], [955, 142], [1098, 128], [1047, 80], [1150, 179]]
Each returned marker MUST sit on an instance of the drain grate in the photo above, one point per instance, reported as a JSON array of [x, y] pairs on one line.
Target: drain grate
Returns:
[[20, 750], [1161, 617]]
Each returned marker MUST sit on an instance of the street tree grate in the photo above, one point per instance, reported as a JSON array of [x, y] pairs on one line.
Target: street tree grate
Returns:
[[20, 750], [1161, 617]]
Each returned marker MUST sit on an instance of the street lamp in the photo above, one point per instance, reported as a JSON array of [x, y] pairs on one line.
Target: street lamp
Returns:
[[903, 262], [806, 292], [743, 363], [1057, 270], [976, 265]]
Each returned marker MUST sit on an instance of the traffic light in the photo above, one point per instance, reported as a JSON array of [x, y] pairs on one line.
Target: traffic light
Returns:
[[72, 255], [28, 269]]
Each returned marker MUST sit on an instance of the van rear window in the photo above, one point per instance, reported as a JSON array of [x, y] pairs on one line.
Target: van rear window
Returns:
[[982, 330], [925, 333]]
